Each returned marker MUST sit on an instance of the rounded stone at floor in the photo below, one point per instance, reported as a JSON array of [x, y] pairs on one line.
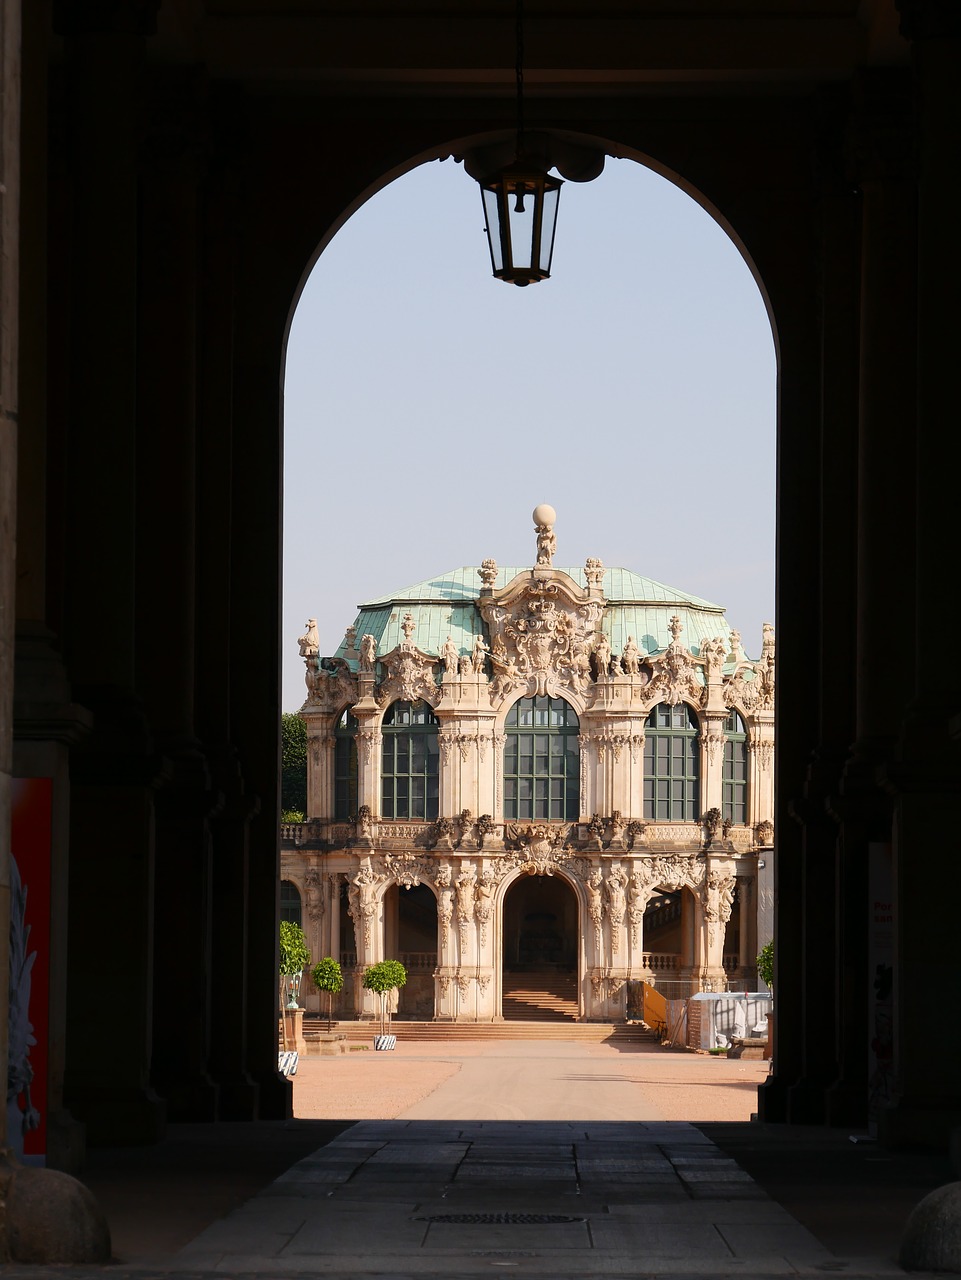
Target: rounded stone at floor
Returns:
[[932, 1236], [50, 1217]]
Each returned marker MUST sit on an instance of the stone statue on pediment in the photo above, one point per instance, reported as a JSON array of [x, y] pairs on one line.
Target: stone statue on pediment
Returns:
[[310, 641], [450, 655]]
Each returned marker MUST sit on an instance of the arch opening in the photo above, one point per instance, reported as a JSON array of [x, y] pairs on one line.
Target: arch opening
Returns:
[[540, 950]]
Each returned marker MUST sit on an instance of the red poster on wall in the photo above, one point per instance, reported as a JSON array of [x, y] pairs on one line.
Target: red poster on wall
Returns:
[[30, 965]]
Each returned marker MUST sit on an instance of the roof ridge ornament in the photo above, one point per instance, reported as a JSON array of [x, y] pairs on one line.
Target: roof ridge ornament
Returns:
[[544, 518]]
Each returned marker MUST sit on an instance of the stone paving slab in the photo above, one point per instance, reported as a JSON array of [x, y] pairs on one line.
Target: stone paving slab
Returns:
[[651, 1200]]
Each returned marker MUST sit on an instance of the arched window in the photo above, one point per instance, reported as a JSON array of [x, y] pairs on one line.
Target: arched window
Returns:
[[542, 761], [290, 906], [409, 767], [345, 767], [734, 771], [671, 782]]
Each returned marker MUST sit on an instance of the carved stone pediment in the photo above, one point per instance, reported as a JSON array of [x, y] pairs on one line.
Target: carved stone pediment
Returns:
[[675, 674], [542, 627], [410, 676], [330, 683]]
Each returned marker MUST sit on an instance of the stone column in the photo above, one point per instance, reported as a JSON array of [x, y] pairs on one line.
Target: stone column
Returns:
[[924, 778], [320, 774], [369, 743], [747, 917], [333, 916], [9, 354], [712, 762], [113, 775]]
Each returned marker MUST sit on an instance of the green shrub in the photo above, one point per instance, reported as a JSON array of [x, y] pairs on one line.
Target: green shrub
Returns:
[[294, 953], [383, 978], [765, 964], [327, 976]]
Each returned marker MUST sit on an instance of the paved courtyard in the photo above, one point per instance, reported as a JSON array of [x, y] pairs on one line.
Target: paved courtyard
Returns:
[[561, 1160]]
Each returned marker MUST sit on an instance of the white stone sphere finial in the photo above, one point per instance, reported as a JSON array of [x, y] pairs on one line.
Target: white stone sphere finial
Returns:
[[544, 517]]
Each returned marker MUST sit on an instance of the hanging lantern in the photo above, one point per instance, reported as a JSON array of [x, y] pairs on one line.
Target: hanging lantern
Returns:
[[520, 215], [520, 201]]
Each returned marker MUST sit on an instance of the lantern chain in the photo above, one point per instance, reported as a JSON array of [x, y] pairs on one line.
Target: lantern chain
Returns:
[[519, 73]]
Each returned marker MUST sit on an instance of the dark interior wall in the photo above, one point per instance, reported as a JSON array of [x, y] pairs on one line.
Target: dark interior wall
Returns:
[[168, 219]]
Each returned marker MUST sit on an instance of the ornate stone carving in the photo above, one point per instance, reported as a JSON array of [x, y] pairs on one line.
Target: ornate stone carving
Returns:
[[450, 657], [484, 903], [368, 653], [410, 678], [483, 981], [479, 655], [310, 641], [362, 903], [638, 896], [595, 832], [466, 888], [408, 626], [363, 827], [463, 985], [443, 834], [712, 825], [594, 572], [314, 893], [488, 572], [544, 517], [764, 751], [465, 823], [616, 899], [405, 869], [764, 833], [673, 872], [618, 827], [675, 674], [717, 899], [315, 749], [330, 681], [540, 637], [445, 901], [537, 844], [713, 654], [486, 826], [635, 832], [714, 742], [396, 831], [595, 900], [631, 657]]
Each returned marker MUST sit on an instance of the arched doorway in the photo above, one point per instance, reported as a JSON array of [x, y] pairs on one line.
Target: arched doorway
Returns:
[[410, 919], [540, 950]]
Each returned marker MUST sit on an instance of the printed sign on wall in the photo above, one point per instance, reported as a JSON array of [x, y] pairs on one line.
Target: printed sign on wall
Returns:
[[30, 967]]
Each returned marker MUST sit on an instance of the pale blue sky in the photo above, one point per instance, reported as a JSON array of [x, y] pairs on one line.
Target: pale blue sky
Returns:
[[429, 407]]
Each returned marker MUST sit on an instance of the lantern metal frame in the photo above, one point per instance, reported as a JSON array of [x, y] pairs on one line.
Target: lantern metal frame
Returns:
[[520, 254]]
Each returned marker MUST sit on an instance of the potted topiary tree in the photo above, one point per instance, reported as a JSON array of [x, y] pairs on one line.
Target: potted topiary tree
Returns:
[[294, 959], [384, 977], [327, 976]]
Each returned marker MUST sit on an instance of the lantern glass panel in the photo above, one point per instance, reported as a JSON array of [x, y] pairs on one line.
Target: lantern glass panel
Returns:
[[492, 220], [522, 203], [549, 223]]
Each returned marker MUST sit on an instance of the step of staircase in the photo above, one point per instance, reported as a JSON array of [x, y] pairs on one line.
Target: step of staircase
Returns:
[[441, 1032], [540, 995]]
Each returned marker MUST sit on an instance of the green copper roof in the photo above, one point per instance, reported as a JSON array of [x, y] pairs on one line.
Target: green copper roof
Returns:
[[621, 585], [446, 606]]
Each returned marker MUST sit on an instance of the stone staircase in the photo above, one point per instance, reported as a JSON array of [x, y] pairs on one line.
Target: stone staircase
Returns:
[[452, 1032], [540, 995], [538, 1004]]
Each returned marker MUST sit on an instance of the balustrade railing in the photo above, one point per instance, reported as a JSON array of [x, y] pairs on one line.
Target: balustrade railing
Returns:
[[661, 961]]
